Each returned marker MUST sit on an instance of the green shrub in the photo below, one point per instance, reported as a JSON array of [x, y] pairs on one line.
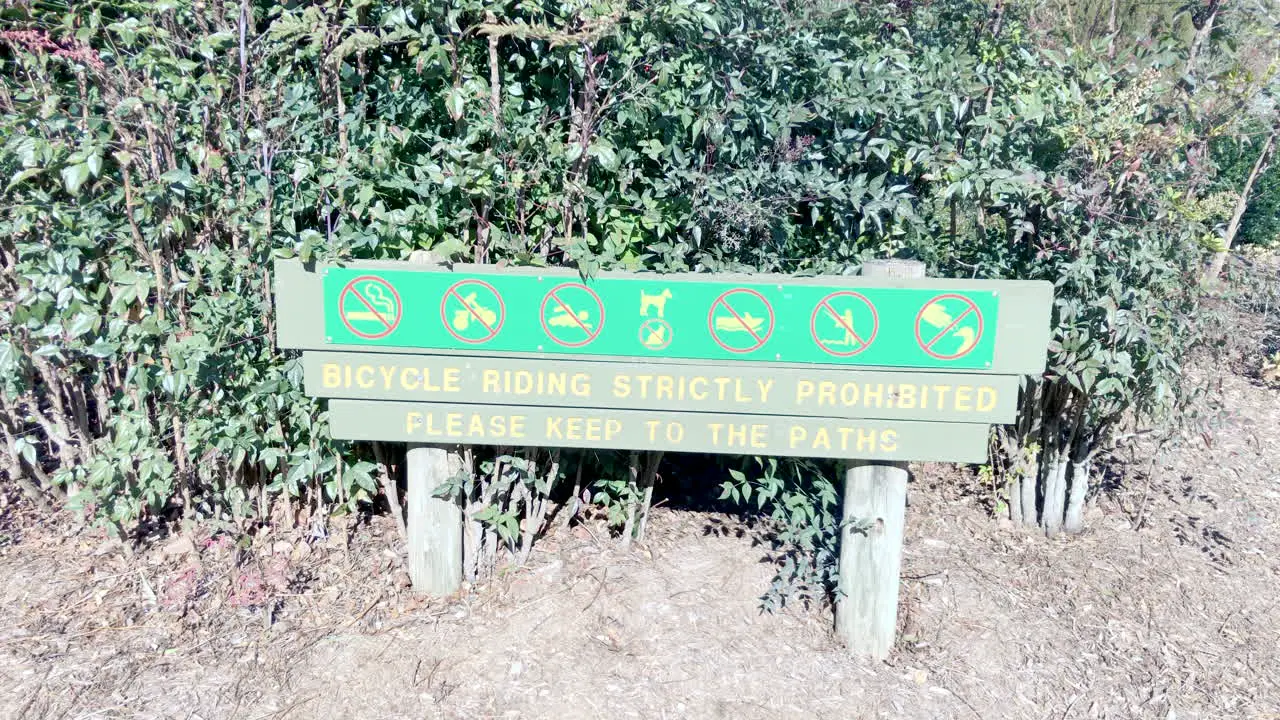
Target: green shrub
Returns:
[[159, 155]]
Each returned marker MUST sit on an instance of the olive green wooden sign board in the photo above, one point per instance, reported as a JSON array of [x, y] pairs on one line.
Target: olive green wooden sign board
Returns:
[[512, 425], [789, 391], [951, 325]]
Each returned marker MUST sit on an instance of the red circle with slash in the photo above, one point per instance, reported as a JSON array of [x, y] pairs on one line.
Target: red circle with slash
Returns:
[[556, 300], [726, 301], [388, 325], [971, 308], [455, 293], [825, 308]]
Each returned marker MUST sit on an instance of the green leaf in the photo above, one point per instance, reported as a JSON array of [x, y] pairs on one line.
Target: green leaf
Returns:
[[25, 448], [455, 103], [603, 153], [23, 175], [73, 176]]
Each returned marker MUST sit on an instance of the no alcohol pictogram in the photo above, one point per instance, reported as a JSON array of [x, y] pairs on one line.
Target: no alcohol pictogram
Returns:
[[370, 307], [572, 314], [472, 311], [949, 326], [844, 323], [740, 320]]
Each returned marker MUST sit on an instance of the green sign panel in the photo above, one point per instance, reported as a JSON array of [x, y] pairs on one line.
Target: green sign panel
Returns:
[[791, 391], [661, 317], [450, 423], [840, 367]]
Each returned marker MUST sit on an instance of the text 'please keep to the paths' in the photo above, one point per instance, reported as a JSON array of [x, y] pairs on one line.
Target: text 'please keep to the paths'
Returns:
[[672, 431]]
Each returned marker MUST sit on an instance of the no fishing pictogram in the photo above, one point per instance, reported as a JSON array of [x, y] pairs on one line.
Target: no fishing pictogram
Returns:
[[844, 323]]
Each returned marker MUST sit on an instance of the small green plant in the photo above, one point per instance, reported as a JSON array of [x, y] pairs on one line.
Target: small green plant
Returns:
[[800, 498]]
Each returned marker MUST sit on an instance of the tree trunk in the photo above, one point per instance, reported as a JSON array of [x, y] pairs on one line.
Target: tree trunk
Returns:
[[1112, 28], [633, 479], [1081, 466], [652, 459], [1203, 22], [1030, 421], [1055, 492], [474, 530], [1029, 475], [390, 489], [1220, 257]]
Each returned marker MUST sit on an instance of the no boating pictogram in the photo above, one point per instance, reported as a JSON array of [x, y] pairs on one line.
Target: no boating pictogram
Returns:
[[949, 326], [740, 320], [472, 311], [370, 307], [572, 314], [844, 323]]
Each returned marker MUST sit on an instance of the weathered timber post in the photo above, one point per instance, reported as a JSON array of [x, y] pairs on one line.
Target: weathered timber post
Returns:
[[434, 524], [874, 516]]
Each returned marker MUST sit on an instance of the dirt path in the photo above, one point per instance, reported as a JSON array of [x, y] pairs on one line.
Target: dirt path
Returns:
[[1177, 619]]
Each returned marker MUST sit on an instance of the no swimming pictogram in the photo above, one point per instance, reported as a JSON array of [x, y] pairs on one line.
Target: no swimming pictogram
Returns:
[[572, 315]]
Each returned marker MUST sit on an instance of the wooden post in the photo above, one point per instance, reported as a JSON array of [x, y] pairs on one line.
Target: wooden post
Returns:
[[874, 517], [434, 524]]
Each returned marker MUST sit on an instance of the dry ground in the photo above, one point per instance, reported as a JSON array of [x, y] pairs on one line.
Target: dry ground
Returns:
[[1167, 607]]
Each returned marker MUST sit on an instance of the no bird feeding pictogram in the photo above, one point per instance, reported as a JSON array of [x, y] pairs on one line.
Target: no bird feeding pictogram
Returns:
[[949, 326]]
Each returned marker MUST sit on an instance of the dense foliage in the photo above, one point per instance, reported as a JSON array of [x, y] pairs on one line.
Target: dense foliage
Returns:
[[158, 155], [1235, 158]]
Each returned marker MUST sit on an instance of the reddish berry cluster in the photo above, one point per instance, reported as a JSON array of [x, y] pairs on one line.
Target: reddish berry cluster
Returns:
[[38, 41]]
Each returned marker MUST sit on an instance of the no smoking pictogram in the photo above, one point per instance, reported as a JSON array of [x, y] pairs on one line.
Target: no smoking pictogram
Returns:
[[740, 320], [844, 323], [572, 314], [949, 326], [472, 311], [370, 307]]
